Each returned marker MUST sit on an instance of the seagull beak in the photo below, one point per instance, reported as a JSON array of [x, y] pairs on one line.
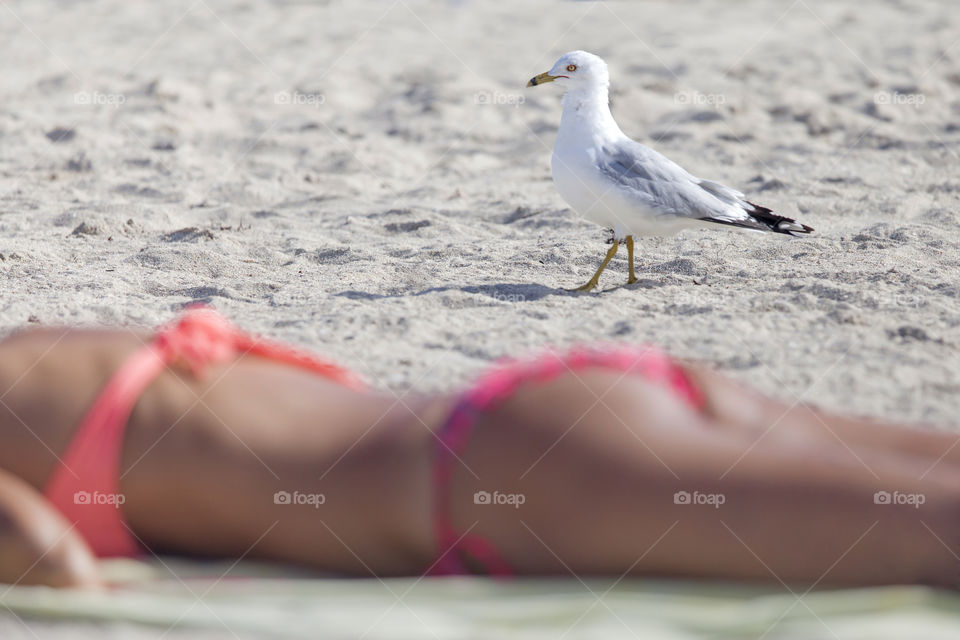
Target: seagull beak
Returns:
[[543, 78]]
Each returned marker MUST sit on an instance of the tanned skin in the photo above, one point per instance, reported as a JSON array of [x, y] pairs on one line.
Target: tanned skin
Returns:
[[597, 456]]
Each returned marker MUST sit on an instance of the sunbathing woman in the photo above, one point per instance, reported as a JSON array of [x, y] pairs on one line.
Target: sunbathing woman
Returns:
[[201, 440]]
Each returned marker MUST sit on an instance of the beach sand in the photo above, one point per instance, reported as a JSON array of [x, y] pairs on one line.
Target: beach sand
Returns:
[[372, 180]]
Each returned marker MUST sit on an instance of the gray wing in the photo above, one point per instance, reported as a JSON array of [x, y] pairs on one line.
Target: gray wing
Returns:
[[661, 185]]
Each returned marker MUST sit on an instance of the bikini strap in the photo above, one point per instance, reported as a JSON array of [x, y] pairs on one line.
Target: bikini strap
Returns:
[[454, 436], [202, 337]]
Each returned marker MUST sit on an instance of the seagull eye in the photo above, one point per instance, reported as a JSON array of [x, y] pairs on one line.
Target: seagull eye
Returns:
[[571, 67]]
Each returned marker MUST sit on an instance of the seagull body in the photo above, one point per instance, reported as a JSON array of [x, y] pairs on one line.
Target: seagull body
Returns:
[[617, 182]]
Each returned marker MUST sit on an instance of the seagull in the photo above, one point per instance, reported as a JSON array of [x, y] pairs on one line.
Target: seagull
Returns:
[[617, 182]]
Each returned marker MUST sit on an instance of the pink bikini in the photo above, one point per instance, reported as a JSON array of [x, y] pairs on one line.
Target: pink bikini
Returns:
[[83, 483], [496, 386]]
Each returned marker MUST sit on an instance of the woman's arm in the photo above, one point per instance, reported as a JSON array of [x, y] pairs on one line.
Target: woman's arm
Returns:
[[37, 546]]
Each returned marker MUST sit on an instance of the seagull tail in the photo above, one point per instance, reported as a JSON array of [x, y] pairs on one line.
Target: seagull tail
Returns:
[[764, 219]]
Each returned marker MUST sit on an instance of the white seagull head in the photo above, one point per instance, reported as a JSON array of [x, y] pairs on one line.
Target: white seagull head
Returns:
[[574, 71]]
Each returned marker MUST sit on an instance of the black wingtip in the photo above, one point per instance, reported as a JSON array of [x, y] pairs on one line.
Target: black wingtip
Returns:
[[778, 223], [763, 219], [792, 227]]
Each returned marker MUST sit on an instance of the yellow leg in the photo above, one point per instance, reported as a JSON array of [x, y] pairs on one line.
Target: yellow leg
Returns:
[[603, 265], [633, 276]]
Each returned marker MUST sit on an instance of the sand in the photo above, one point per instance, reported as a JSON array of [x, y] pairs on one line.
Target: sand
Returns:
[[372, 180]]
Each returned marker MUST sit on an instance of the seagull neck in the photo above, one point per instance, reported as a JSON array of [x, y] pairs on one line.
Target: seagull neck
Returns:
[[588, 110]]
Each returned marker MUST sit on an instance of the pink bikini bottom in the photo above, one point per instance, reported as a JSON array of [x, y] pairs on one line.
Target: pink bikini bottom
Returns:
[[496, 386]]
